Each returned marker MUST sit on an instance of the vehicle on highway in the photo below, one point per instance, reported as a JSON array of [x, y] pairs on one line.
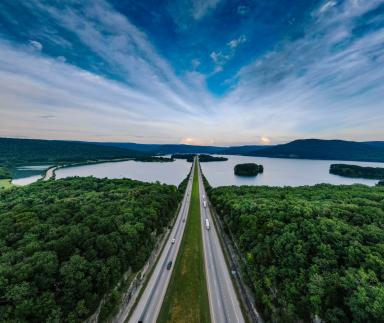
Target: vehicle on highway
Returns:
[[203, 196], [173, 240], [169, 265], [205, 204], [207, 224]]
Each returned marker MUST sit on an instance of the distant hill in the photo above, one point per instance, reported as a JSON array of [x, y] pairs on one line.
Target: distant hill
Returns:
[[375, 143], [241, 150], [22, 151], [131, 145], [324, 149], [165, 149]]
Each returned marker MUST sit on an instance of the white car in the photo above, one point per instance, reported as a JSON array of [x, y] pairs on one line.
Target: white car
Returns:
[[173, 241]]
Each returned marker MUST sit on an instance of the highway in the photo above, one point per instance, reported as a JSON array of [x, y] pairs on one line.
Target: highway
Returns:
[[224, 305], [149, 305]]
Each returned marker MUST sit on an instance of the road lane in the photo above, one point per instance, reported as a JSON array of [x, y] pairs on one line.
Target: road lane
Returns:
[[224, 305], [148, 307]]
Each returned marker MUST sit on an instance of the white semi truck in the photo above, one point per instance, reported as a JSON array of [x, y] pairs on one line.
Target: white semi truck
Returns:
[[205, 204], [207, 226]]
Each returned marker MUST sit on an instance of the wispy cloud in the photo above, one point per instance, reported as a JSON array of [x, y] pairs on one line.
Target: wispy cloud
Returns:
[[201, 7], [221, 57], [36, 45], [322, 81], [236, 42], [329, 82]]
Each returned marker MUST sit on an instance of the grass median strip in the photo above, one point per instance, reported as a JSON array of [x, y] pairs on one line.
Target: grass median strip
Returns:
[[186, 299]]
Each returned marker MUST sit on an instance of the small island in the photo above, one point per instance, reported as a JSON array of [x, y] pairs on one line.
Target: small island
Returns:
[[202, 157], [248, 169], [355, 171]]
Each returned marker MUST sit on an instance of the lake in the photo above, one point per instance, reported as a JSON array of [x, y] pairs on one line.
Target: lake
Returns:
[[277, 172], [168, 172], [25, 175], [281, 172]]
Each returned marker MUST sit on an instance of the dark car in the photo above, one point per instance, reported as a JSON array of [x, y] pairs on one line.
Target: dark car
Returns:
[[169, 265]]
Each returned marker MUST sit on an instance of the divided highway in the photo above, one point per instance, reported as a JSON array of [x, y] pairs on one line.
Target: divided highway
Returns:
[[224, 305], [148, 307]]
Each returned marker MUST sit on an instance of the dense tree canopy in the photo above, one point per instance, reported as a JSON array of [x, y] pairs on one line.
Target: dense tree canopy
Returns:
[[311, 251], [65, 243], [27, 151], [248, 169], [357, 171], [4, 172], [154, 159], [325, 149], [202, 157]]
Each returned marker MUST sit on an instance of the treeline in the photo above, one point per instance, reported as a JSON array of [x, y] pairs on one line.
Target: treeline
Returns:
[[65, 243], [31, 151], [183, 185], [154, 159], [312, 253], [357, 171], [4, 172], [324, 149], [202, 157], [248, 169]]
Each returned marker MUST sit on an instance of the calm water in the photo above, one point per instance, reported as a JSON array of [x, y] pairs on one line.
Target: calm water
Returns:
[[168, 173], [280, 172], [277, 172], [25, 175]]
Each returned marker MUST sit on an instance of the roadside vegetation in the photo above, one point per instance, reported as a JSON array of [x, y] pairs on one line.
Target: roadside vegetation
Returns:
[[248, 169], [357, 171], [311, 252], [186, 299], [65, 244]]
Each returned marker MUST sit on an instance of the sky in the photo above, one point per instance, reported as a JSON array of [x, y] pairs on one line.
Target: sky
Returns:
[[207, 72]]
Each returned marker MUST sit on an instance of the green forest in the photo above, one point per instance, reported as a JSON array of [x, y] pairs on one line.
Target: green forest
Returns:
[[65, 243], [4, 172], [153, 159], [248, 169], [202, 157], [311, 252], [32, 151], [357, 171]]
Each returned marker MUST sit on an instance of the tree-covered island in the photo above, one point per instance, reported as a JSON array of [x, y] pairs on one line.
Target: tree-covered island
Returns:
[[202, 157], [355, 171], [248, 169]]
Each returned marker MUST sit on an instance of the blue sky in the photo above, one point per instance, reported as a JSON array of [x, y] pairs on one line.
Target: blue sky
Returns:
[[192, 71]]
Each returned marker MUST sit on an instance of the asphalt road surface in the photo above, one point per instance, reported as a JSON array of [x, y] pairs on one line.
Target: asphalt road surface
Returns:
[[149, 305], [224, 305]]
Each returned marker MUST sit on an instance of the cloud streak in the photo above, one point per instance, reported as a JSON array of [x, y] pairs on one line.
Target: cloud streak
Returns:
[[329, 82]]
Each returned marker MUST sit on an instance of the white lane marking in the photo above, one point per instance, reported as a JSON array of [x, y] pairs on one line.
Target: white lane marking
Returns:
[[159, 266], [211, 298], [227, 279]]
